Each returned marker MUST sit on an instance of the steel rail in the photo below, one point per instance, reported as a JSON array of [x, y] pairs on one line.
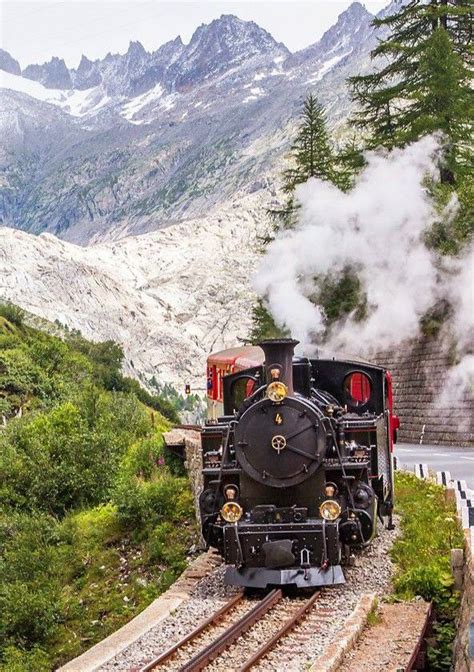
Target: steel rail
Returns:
[[229, 636], [214, 618], [414, 663], [286, 627]]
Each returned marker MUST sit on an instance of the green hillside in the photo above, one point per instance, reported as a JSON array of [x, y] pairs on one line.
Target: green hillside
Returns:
[[87, 496]]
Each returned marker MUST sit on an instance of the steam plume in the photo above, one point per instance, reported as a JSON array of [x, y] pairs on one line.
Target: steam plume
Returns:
[[378, 229]]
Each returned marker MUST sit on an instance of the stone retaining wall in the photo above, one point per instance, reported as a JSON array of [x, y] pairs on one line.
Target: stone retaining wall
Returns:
[[420, 370], [463, 657], [191, 442]]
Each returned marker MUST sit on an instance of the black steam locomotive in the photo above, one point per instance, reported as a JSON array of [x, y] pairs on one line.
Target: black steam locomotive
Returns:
[[298, 468]]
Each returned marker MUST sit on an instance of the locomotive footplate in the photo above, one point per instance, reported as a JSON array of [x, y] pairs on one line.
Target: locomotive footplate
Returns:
[[304, 554]]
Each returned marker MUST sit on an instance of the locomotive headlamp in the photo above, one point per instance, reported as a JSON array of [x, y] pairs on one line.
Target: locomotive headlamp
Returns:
[[277, 391], [330, 510], [231, 512]]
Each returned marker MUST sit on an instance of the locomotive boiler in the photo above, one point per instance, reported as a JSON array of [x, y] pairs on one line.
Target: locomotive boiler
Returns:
[[297, 468]]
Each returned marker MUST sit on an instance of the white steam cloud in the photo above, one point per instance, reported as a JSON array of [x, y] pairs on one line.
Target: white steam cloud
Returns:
[[377, 229]]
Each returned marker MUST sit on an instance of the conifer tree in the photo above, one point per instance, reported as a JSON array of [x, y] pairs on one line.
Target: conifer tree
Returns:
[[311, 155], [423, 84], [349, 161], [311, 150], [442, 103]]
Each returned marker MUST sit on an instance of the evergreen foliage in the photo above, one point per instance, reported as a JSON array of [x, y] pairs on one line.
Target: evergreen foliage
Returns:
[[423, 87], [263, 324], [170, 395], [311, 155], [340, 295], [350, 161], [311, 151], [423, 84]]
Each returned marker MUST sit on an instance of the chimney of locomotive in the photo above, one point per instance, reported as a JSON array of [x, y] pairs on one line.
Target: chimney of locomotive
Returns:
[[279, 358]]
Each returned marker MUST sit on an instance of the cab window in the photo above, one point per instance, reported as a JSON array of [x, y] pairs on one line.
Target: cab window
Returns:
[[357, 388], [241, 389]]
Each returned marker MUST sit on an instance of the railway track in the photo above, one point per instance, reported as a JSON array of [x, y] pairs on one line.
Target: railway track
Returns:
[[417, 658], [223, 630]]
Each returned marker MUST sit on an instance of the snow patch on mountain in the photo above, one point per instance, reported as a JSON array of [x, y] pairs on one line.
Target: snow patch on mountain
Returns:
[[76, 103], [326, 67], [255, 92], [134, 105]]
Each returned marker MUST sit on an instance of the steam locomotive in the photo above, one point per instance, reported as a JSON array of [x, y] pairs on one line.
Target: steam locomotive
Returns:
[[297, 463]]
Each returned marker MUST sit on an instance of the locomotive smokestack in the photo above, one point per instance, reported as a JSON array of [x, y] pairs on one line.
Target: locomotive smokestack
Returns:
[[279, 360]]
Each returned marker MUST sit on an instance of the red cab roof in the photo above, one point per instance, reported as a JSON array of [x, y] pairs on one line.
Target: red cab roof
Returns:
[[244, 356]]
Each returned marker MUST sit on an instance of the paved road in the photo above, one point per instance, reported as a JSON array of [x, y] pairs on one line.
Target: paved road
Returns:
[[459, 461]]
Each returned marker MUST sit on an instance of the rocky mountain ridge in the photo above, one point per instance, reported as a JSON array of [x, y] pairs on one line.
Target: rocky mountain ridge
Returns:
[[224, 43], [149, 139]]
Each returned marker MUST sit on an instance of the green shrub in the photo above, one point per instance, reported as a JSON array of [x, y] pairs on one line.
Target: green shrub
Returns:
[[8, 340], [71, 574], [28, 613], [15, 659], [141, 504], [20, 375], [146, 490], [14, 314], [88, 530], [166, 544], [142, 458], [68, 457], [157, 402], [422, 556], [30, 571], [6, 407]]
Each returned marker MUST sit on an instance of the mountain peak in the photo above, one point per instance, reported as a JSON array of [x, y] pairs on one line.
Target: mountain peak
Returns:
[[136, 48], [228, 30], [355, 9], [348, 33], [53, 75], [225, 43], [85, 62], [8, 63], [87, 74]]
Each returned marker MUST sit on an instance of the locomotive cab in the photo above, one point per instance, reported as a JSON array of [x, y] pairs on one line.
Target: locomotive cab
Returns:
[[297, 470]]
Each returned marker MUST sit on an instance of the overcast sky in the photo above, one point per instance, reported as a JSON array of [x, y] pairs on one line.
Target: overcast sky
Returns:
[[34, 30]]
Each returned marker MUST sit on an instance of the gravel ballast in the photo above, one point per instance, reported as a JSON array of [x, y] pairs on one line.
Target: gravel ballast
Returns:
[[372, 572]]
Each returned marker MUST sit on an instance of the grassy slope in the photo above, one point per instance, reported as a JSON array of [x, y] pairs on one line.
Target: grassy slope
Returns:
[[94, 521]]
